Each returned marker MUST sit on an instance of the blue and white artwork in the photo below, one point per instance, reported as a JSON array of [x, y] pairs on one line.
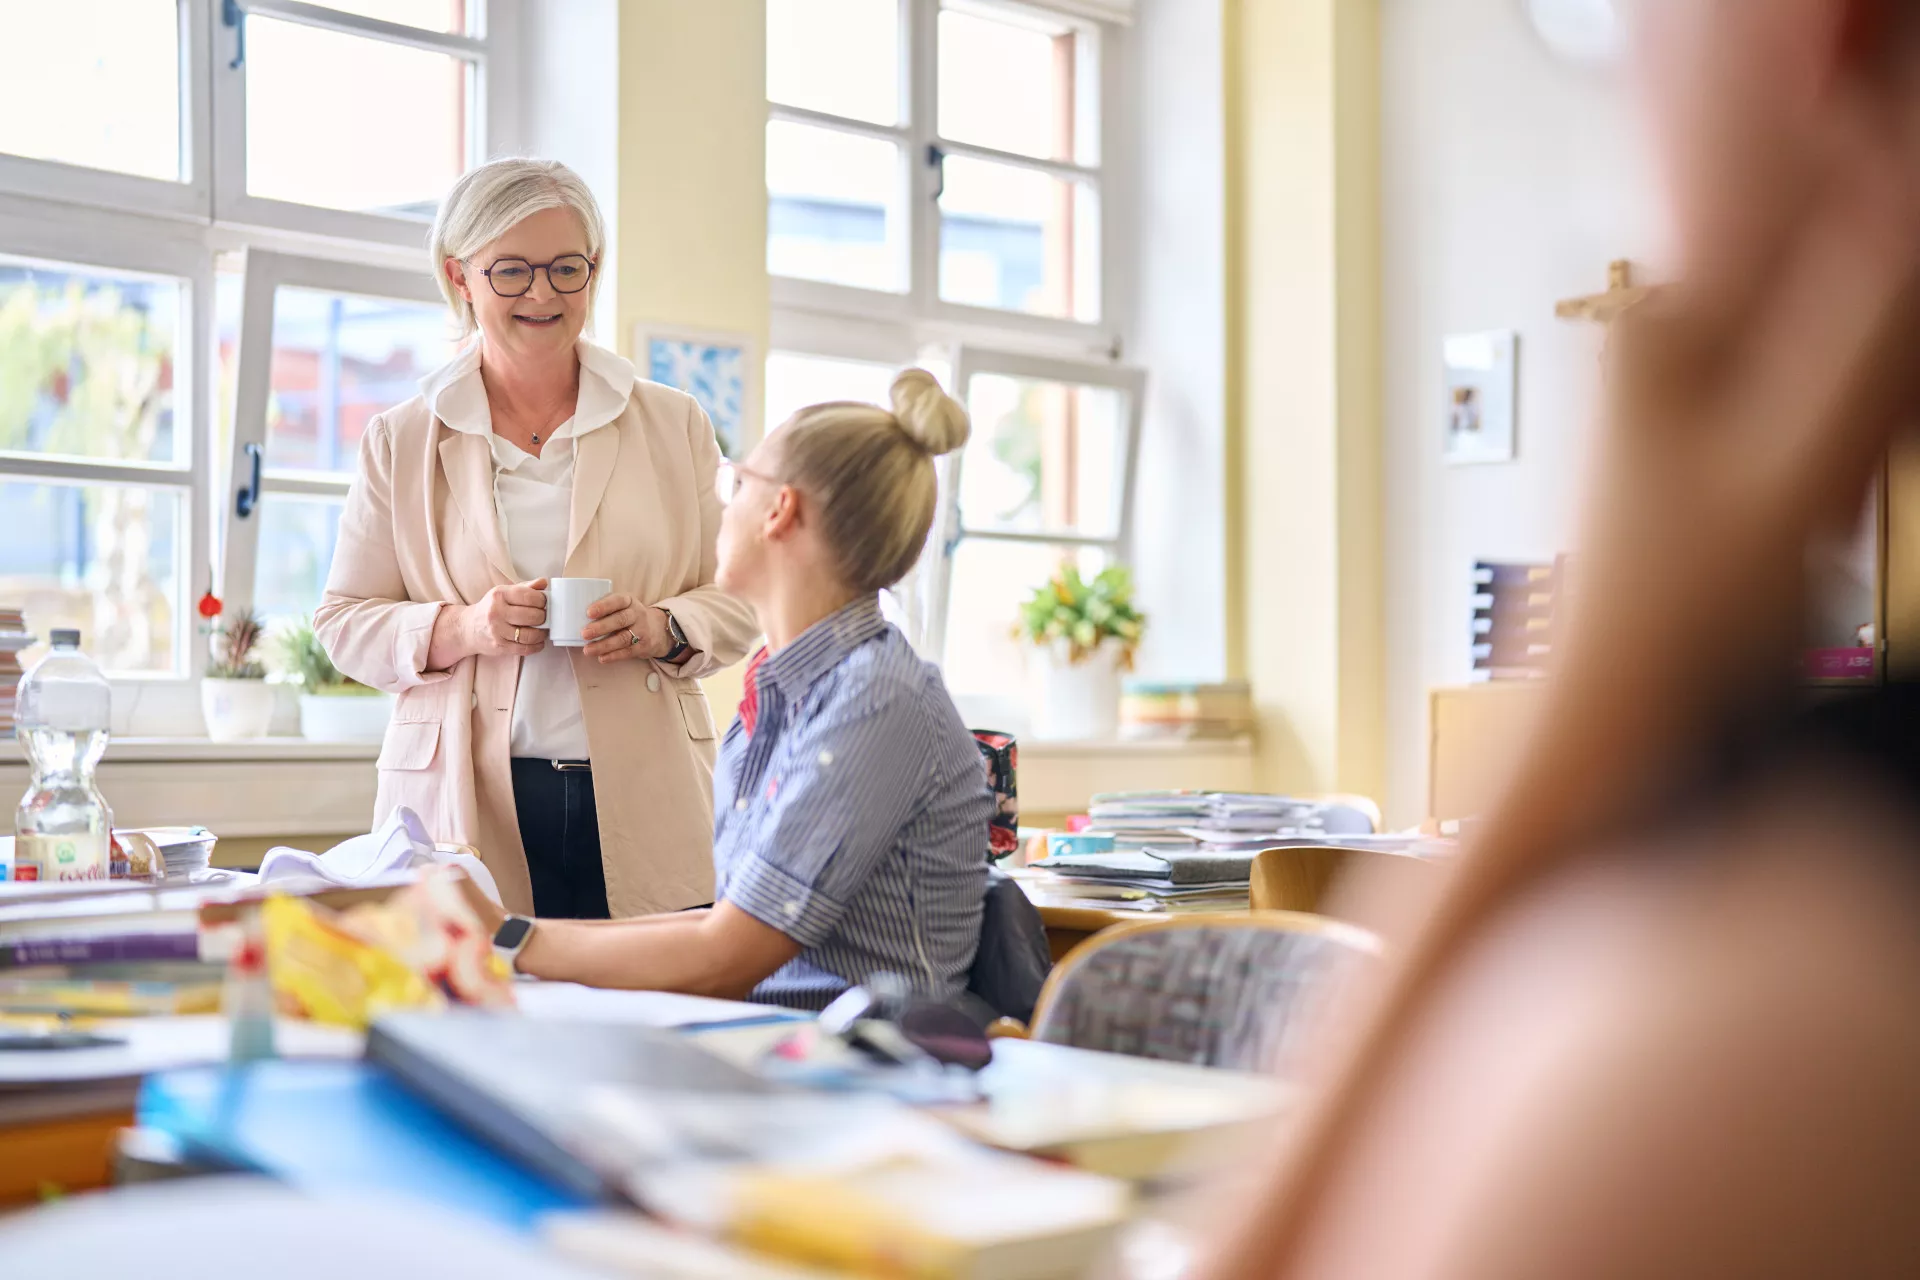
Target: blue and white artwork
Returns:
[[713, 372]]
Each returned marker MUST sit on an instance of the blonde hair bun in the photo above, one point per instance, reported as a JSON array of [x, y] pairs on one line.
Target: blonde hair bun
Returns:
[[933, 419]]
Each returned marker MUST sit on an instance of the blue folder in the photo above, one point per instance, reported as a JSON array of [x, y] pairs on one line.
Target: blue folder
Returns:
[[344, 1127]]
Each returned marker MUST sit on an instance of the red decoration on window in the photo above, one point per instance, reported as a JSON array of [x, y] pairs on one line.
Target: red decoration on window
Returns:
[[209, 605]]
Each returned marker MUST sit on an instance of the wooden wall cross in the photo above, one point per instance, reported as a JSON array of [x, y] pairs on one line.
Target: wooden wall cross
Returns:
[[1605, 308]]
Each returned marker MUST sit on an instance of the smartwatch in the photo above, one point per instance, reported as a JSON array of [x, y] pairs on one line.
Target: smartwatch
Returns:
[[680, 646], [511, 938]]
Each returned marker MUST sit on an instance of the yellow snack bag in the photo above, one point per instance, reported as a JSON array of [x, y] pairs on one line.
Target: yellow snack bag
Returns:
[[322, 972]]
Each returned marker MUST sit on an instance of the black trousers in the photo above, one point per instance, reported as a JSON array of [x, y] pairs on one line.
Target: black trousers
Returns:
[[560, 829]]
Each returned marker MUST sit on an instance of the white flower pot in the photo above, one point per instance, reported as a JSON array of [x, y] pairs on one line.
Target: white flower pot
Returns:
[[236, 709], [349, 718], [1076, 701]]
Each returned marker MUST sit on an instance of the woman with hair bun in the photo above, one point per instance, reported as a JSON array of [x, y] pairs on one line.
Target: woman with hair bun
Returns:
[[850, 807]]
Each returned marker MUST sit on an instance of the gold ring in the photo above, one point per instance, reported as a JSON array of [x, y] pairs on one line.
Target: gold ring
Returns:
[[516, 635], [632, 639]]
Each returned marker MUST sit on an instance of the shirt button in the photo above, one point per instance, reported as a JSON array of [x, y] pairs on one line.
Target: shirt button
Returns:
[[653, 682], [741, 804], [476, 699], [793, 909], [826, 757]]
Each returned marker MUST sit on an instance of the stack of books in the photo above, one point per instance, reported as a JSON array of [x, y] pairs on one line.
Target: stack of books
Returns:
[[1513, 608], [13, 638], [1185, 710]]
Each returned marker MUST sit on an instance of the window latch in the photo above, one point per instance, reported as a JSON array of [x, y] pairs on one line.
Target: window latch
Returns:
[[232, 15], [249, 496], [936, 161]]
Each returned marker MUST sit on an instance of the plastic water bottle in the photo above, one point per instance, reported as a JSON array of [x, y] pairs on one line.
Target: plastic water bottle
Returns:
[[63, 829]]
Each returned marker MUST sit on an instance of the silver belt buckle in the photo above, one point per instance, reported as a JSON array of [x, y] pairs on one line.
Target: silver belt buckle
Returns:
[[572, 766]]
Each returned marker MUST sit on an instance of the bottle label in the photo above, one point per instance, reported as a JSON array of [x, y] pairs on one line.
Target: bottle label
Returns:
[[73, 857]]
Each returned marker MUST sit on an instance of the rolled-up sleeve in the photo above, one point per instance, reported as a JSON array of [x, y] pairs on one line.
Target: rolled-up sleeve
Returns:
[[850, 783], [370, 629]]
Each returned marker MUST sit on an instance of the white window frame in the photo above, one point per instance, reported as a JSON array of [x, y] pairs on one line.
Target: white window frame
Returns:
[[69, 215], [110, 243], [923, 149], [267, 273], [950, 526]]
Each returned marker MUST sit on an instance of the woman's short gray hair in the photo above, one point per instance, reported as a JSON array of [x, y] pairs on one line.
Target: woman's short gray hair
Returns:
[[491, 200]]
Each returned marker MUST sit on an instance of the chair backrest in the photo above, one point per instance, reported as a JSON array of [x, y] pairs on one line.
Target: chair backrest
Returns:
[[1298, 877], [1218, 991]]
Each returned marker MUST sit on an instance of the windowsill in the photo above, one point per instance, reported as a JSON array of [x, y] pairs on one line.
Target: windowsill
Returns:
[[207, 751]]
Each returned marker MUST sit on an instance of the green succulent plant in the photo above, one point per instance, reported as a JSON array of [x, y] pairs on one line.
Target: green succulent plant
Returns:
[[303, 660], [1083, 613]]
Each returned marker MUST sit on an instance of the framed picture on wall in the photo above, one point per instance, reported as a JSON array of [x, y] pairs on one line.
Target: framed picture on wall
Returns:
[[1482, 392], [720, 370]]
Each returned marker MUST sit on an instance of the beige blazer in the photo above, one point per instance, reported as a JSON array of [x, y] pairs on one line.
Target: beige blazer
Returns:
[[420, 531]]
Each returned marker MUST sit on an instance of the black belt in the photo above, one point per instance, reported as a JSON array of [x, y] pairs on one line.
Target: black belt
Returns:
[[559, 766]]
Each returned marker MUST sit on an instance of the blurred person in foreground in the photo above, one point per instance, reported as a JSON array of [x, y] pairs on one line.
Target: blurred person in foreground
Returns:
[[1663, 1017]]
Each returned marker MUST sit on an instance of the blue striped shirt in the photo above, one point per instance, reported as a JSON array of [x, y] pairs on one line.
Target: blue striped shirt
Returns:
[[854, 819]]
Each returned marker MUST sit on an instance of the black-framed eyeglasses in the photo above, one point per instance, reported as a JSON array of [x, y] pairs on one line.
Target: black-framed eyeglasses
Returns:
[[511, 277]]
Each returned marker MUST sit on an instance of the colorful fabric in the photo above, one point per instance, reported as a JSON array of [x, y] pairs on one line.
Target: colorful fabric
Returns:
[[1001, 755], [1229, 996]]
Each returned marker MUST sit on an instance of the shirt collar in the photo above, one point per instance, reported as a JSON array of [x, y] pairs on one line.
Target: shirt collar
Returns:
[[457, 396], [821, 646]]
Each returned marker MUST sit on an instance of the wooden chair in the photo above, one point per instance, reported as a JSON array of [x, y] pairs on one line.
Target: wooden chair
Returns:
[[1298, 878], [1219, 991]]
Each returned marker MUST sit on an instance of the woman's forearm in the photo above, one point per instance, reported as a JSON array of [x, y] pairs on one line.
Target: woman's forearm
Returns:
[[449, 643], [721, 953]]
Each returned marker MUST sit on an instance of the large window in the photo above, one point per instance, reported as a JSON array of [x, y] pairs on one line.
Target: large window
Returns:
[[211, 214], [945, 154], [935, 173]]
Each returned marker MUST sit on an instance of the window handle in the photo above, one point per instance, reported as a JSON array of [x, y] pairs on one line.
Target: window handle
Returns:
[[232, 15], [937, 161], [249, 496]]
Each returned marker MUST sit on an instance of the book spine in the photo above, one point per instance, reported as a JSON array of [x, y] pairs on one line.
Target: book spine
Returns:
[[132, 947]]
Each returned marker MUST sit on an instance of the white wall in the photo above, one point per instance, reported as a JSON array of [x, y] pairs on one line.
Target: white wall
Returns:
[[1177, 332], [1509, 181], [569, 110]]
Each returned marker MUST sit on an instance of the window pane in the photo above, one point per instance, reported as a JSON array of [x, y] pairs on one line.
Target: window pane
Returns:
[[795, 381], [429, 15], [318, 131], [1014, 85], [1019, 240], [87, 363], [103, 558], [93, 83], [337, 361], [833, 209], [990, 581], [1044, 457], [296, 551], [837, 56]]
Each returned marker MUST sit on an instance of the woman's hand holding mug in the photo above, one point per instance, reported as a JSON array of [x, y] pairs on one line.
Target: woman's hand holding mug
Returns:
[[508, 620], [620, 627]]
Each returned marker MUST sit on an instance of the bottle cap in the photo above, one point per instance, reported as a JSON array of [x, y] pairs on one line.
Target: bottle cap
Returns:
[[66, 636]]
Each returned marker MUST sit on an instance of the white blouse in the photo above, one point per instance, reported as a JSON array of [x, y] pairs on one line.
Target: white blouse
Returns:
[[533, 500]]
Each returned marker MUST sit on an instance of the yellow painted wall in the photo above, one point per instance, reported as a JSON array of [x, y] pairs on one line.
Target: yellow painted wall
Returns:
[[1303, 405], [692, 203]]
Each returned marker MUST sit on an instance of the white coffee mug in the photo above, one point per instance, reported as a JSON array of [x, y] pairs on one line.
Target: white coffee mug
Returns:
[[567, 601]]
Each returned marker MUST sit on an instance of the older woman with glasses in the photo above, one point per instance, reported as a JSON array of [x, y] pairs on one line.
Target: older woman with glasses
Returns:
[[536, 454]]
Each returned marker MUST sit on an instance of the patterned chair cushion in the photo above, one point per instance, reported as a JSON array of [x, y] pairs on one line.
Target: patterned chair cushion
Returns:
[[1209, 995]]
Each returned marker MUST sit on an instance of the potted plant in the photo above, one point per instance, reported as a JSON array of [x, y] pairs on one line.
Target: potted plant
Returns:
[[235, 697], [333, 708], [1085, 633]]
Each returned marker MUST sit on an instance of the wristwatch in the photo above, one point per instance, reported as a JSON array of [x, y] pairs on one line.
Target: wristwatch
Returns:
[[510, 939], [680, 646]]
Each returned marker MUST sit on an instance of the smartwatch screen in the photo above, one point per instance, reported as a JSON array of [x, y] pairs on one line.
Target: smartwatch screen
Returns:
[[512, 933]]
